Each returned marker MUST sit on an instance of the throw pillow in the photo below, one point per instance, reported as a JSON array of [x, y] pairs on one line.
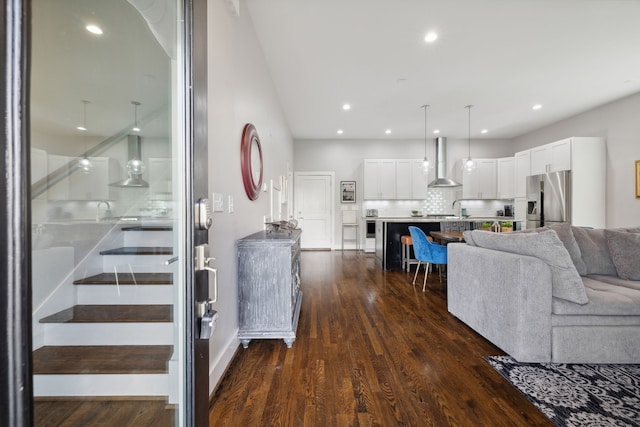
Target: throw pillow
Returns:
[[595, 252], [567, 238], [545, 245], [624, 248]]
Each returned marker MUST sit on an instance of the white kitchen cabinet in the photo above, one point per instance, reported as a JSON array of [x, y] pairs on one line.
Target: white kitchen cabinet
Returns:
[[404, 175], [379, 179], [411, 180], [420, 179], [59, 190], [520, 211], [160, 178], [506, 184], [522, 169], [552, 157], [480, 183]]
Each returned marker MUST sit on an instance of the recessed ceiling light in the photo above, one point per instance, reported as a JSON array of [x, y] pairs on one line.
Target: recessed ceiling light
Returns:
[[346, 107], [94, 29], [484, 131], [340, 131], [388, 131], [436, 131], [537, 106], [430, 37]]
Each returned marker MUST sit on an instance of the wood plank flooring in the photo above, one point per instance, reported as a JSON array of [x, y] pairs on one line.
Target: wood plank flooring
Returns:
[[371, 350], [100, 412]]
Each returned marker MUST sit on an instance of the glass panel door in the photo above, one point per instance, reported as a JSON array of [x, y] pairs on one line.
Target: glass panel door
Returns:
[[106, 145]]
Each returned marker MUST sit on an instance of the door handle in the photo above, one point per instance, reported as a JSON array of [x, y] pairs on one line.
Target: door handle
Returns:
[[202, 261]]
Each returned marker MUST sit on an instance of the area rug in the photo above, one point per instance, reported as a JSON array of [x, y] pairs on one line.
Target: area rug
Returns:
[[576, 394]]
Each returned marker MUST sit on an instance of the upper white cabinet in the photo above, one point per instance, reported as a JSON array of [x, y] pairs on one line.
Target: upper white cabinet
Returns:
[[506, 184], [83, 186], [420, 179], [95, 184], [396, 179], [552, 157], [404, 177], [522, 166], [480, 183], [379, 179]]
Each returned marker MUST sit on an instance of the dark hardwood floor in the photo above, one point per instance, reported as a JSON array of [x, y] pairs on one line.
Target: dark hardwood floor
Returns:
[[371, 350]]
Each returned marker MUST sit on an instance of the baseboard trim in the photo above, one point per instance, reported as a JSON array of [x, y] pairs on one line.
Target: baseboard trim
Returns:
[[220, 366]]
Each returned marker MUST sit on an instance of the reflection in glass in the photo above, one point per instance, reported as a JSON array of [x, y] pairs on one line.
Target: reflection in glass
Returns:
[[93, 292]]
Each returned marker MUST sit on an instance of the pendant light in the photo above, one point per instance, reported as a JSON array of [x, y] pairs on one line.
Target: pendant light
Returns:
[[425, 161], [469, 164], [135, 116], [84, 163]]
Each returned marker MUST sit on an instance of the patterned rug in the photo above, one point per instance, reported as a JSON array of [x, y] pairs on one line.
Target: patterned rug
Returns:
[[576, 394]]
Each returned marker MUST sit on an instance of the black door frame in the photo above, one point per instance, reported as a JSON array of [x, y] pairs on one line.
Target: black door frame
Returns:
[[15, 250], [197, 375], [16, 384]]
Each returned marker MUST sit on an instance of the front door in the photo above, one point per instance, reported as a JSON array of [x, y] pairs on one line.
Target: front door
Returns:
[[105, 201], [314, 201]]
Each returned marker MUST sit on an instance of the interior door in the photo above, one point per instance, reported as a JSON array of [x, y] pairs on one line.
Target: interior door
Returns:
[[314, 208], [102, 222]]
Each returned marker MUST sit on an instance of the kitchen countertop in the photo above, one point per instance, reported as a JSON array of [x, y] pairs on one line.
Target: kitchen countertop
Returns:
[[425, 219]]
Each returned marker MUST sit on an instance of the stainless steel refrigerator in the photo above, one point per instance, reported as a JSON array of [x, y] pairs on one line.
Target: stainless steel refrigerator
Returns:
[[548, 199]]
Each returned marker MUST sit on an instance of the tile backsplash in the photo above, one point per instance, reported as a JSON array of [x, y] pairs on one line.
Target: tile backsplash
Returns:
[[439, 201]]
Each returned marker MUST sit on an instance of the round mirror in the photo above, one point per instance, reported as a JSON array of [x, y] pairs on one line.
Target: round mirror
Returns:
[[251, 161]]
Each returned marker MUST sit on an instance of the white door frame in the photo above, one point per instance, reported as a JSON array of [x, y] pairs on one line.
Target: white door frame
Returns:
[[332, 213]]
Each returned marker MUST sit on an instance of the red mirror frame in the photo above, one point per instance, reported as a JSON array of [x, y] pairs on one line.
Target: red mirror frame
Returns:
[[249, 139]]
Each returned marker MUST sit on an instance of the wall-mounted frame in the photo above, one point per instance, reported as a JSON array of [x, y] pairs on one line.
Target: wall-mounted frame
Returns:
[[638, 179], [251, 161], [347, 191]]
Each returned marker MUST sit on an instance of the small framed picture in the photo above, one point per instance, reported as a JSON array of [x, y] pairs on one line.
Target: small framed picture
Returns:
[[638, 179], [347, 191]]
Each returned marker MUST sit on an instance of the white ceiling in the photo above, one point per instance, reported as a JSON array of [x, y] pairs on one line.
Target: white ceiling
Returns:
[[502, 56]]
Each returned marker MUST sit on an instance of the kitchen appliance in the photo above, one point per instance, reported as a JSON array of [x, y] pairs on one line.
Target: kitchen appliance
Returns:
[[371, 213], [441, 165], [508, 210], [548, 199]]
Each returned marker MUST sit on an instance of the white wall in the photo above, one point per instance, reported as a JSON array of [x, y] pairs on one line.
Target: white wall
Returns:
[[345, 158], [618, 122], [240, 91]]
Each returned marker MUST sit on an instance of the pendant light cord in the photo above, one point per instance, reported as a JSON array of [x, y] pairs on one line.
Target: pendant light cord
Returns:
[[469, 107], [426, 106]]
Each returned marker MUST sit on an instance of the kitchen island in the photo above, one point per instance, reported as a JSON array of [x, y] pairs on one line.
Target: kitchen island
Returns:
[[389, 230]]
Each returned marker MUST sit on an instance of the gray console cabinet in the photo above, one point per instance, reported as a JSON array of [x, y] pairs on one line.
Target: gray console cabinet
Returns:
[[269, 295]]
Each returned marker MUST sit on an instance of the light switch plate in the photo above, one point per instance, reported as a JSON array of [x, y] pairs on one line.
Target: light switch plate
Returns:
[[218, 202]]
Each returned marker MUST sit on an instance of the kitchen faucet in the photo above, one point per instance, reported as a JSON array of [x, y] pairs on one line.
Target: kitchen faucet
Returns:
[[107, 211]]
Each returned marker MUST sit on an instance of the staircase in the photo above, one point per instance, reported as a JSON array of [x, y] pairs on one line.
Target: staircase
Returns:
[[118, 338]]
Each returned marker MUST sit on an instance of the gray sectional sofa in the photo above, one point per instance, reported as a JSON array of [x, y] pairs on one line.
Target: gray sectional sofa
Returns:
[[555, 294]]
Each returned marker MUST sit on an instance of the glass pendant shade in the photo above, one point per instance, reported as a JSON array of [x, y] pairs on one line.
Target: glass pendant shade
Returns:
[[84, 163], [425, 161], [469, 164]]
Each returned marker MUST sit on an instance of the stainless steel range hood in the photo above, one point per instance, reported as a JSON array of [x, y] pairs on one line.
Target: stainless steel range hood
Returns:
[[441, 166], [133, 165]]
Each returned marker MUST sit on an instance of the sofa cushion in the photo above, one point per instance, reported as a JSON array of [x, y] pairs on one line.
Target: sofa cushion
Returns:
[[565, 233], [605, 299], [545, 245], [624, 248], [615, 280], [594, 250]]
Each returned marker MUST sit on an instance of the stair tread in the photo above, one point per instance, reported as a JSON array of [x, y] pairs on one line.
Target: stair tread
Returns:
[[127, 279], [112, 314], [121, 359], [139, 250], [148, 228]]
